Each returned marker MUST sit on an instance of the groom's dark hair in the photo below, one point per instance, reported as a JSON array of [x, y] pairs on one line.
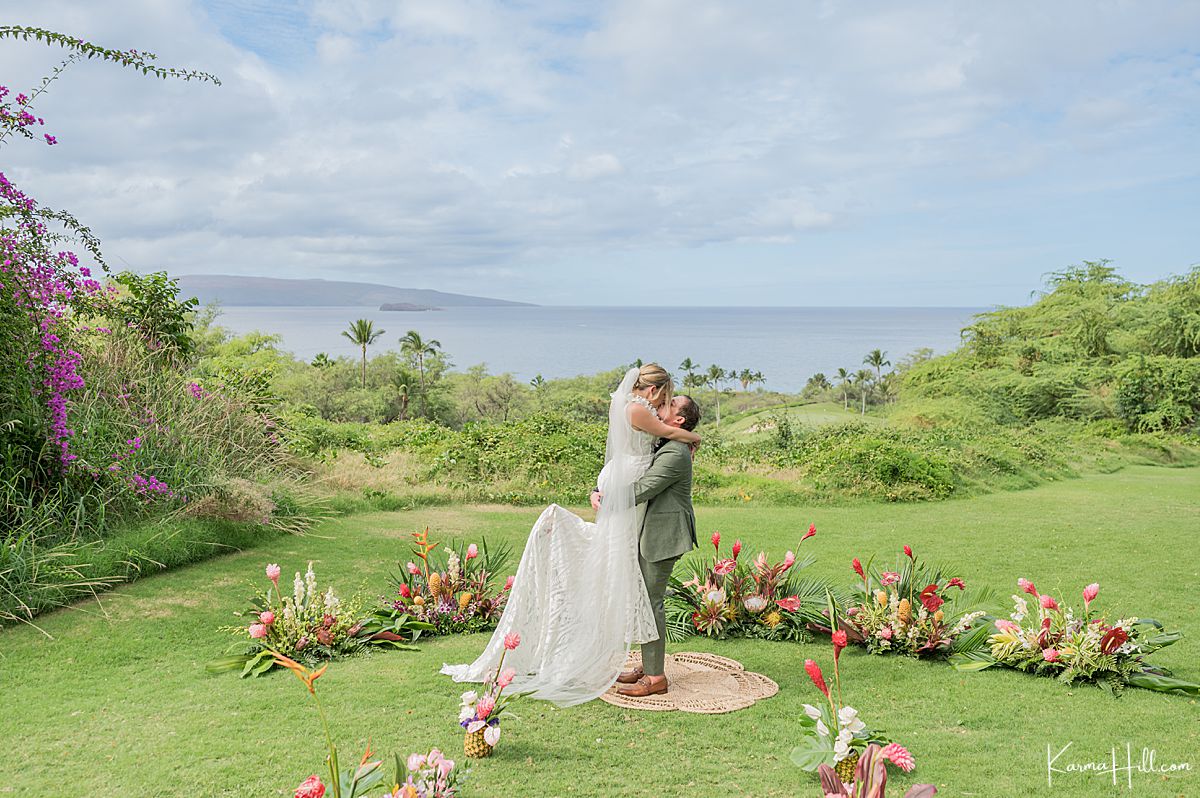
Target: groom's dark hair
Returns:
[[690, 412]]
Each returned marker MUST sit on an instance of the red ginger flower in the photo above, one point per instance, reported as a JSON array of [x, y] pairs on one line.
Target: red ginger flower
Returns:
[[1027, 586], [814, 673], [1090, 592], [737, 548], [908, 551], [716, 540], [1048, 602], [311, 788], [956, 582], [839, 642], [857, 566], [812, 530], [899, 756]]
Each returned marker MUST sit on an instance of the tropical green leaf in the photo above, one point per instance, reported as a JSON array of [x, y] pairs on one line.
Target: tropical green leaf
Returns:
[[1163, 684], [812, 752], [972, 661]]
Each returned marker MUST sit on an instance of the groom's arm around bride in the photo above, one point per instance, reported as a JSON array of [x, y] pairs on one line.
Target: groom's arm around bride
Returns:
[[668, 532]]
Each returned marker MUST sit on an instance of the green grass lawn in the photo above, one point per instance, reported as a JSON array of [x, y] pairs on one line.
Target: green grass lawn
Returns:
[[117, 703], [810, 416]]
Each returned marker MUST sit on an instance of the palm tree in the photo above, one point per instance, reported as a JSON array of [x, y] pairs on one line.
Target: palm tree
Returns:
[[363, 333], [414, 346], [322, 361], [688, 368], [876, 359], [713, 379], [844, 377], [538, 383], [863, 377]]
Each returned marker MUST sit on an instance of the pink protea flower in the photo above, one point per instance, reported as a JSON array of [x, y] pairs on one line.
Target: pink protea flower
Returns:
[[1048, 602], [908, 551], [266, 618], [789, 560], [889, 578], [899, 756], [484, 707], [814, 673], [1005, 625], [1090, 592], [508, 583], [716, 540], [472, 551], [310, 788], [737, 548], [886, 633], [273, 571], [506, 677], [512, 640], [791, 603], [258, 631], [413, 568], [1027, 586], [725, 567]]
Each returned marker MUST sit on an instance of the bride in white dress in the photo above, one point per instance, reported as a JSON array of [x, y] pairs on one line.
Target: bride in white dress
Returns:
[[578, 600]]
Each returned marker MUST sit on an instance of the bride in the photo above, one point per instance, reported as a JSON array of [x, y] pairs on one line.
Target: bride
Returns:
[[578, 601]]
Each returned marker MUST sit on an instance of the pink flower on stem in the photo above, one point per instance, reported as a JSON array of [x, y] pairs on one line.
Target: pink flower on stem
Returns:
[[311, 788], [716, 540], [506, 677], [1090, 592], [899, 756], [472, 551], [760, 562], [956, 582], [1048, 602], [415, 762], [444, 767], [889, 578], [725, 567], [266, 618], [413, 568], [1005, 625], [273, 572], [737, 548], [812, 530], [508, 583], [857, 566], [1050, 655], [908, 551], [1027, 586], [258, 631], [405, 591], [814, 673], [512, 640], [484, 707], [839, 642], [789, 560]]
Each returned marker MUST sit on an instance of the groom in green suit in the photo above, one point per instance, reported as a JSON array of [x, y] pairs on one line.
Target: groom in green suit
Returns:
[[668, 532]]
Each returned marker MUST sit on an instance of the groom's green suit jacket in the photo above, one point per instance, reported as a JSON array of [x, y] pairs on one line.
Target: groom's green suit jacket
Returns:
[[669, 528]]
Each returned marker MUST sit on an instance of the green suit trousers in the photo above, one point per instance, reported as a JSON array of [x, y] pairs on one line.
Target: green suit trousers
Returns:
[[656, 575]]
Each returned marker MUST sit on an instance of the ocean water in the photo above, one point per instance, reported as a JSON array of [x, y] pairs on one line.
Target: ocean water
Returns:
[[787, 345]]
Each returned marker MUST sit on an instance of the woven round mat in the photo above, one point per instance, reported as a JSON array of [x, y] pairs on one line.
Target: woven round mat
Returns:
[[701, 683]]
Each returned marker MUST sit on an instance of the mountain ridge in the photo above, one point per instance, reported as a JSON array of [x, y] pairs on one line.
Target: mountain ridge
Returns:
[[240, 291]]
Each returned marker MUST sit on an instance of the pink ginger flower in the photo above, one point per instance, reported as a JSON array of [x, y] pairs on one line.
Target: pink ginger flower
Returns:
[[1048, 602], [760, 562], [889, 578], [413, 568], [512, 640], [899, 756], [789, 560], [508, 583], [258, 631], [266, 618], [1090, 592], [310, 788], [484, 707], [956, 582], [506, 677], [273, 571], [472, 551], [1050, 655], [724, 567], [1005, 625], [737, 548], [1027, 586], [812, 530]]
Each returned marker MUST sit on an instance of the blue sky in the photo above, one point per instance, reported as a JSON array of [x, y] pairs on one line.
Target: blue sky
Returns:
[[652, 152]]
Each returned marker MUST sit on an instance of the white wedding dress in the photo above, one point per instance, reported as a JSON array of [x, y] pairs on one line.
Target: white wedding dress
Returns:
[[578, 600]]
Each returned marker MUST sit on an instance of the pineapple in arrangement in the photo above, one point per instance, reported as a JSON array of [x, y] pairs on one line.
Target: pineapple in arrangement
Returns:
[[845, 768], [475, 746]]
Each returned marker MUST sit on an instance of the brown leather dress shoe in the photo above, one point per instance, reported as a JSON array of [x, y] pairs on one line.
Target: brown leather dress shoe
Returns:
[[644, 687], [629, 677]]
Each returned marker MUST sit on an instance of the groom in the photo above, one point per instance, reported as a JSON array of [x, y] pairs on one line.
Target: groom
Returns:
[[668, 532]]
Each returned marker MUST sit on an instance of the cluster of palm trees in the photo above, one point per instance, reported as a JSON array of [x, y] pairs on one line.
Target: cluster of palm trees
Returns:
[[716, 379], [864, 382], [362, 333]]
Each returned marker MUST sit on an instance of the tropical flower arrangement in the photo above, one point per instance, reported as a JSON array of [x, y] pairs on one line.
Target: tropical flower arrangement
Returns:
[[309, 625], [913, 610], [870, 779], [458, 591], [419, 776], [1053, 640], [729, 597], [480, 713], [833, 734]]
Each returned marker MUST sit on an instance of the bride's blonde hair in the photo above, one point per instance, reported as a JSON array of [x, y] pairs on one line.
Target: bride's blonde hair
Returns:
[[653, 375]]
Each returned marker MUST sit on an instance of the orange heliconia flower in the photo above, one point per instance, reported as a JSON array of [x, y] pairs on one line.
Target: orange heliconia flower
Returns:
[[302, 673]]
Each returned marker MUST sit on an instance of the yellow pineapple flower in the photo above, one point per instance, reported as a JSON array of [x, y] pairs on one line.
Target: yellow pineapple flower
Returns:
[[435, 584], [419, 601], [463, 600], [939, 616], [904, 611], [881, 598], [773, 619]]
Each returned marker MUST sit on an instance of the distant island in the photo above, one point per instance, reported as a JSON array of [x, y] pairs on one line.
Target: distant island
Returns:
[[407, 306], [238, 291]]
